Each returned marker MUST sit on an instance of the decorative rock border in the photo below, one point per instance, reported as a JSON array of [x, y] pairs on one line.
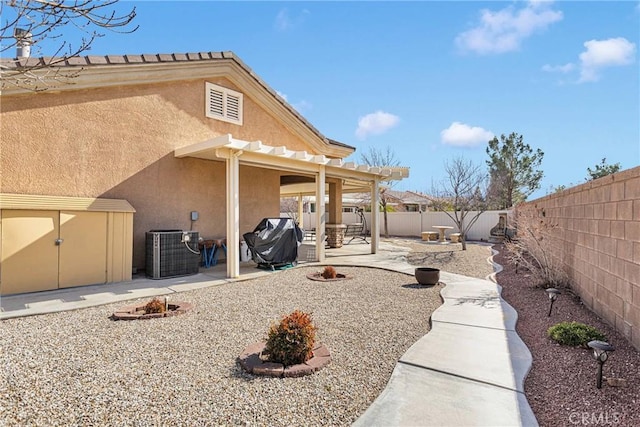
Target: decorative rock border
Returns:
[[136, 312], [318, 277], [252, 361]]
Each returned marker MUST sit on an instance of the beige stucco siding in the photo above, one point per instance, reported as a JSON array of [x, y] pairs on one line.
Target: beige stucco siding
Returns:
[[68, 138], [165, 193], [119, 143]]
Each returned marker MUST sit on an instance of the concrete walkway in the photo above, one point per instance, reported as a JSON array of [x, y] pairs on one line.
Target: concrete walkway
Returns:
[[469, 370]]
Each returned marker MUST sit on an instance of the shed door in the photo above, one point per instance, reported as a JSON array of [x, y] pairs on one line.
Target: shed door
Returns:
[[83, 251], [44, 250], [29, 251]]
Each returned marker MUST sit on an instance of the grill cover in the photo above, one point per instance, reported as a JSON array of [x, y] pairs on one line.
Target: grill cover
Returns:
[[274, 241]]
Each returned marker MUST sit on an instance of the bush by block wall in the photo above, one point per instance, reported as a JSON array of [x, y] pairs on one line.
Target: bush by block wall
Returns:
[[599, 244]]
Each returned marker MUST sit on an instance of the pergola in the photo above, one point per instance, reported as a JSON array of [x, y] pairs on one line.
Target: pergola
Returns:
[[334, 174]]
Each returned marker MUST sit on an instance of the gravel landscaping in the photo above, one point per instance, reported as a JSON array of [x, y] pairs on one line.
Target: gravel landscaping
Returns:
[[561, 386], [80, 368], [474, 262]]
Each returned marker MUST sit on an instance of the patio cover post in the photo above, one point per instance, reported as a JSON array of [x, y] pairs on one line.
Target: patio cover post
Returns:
[[335, 201], [300, 212], [233, 213], [320, 213], [375, 223]]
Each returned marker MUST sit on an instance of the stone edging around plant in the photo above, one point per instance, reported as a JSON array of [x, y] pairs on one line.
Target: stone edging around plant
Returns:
[[318, 277], [251, 361], [136, 312]]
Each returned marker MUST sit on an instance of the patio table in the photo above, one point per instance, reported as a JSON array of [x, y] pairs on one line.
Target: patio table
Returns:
[[442, 229]]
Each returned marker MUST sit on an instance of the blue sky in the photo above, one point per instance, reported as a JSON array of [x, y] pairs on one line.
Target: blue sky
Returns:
[[431, 80]]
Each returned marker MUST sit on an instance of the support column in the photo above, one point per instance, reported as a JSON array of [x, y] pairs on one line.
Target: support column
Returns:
[[335, 227], [375, 216], [300, 212], [233, 213], [335, 201], [320, 214]]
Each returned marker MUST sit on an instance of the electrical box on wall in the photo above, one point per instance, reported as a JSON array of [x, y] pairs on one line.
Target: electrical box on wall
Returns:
[[194, 215]]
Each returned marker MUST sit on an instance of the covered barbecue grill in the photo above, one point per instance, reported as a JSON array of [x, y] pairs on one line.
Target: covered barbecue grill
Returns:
[[274, 242]]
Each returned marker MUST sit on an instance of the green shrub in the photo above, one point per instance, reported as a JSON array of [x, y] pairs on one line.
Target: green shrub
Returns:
[[574, 333], [291, 341]]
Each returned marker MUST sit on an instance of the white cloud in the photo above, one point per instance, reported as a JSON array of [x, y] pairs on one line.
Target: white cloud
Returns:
[[602, 54], [375, 124], [566, 68], [504, 30], [462, 135], [599, 54], [284, 21]]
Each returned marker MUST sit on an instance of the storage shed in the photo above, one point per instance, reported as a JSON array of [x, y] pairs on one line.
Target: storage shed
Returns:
[[50, 242]]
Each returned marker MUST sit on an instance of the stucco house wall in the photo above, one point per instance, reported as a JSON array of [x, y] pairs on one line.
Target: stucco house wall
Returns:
[[598, 241], [119, 142]]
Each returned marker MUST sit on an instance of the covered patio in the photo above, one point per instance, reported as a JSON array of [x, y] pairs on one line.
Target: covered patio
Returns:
[[301, 174]]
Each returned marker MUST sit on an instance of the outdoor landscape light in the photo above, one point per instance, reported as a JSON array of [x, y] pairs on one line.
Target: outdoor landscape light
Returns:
[[601, 351], [553, 295]]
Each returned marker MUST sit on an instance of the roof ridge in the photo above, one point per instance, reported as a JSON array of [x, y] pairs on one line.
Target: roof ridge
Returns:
[[84, 60]]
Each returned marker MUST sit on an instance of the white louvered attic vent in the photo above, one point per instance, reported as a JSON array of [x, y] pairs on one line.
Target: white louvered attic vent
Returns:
[[223, 104]]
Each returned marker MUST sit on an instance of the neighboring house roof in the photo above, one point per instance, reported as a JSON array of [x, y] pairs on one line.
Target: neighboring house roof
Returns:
[[94, 71], [395, 197], [410, 197]]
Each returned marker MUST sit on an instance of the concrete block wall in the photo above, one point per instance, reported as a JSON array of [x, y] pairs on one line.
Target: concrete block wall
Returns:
[[599, 245]]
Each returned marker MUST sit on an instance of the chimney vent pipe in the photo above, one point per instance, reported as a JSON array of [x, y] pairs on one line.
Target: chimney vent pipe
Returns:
[[23, 43]]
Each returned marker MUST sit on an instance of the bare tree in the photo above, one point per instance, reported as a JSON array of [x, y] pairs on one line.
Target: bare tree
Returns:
[[289, 205], [381, 158], [27, 24], [462, 191], [533, 247]]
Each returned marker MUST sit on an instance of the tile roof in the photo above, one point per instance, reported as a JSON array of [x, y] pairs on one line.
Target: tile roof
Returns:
[[119, 59]]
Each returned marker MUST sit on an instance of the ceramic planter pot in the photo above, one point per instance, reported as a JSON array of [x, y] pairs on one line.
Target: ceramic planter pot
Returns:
[[427, 275]]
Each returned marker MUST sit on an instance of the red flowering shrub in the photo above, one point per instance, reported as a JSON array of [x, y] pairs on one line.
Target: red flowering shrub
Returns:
[[329, 272], [291, 341], [154, 306]]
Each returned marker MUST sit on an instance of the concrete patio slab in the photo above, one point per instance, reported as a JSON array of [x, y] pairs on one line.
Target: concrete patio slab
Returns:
[[35, 303], [44, 304]]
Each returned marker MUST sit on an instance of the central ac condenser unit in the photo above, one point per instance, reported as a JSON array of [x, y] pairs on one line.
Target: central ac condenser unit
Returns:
[[171, 253]]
